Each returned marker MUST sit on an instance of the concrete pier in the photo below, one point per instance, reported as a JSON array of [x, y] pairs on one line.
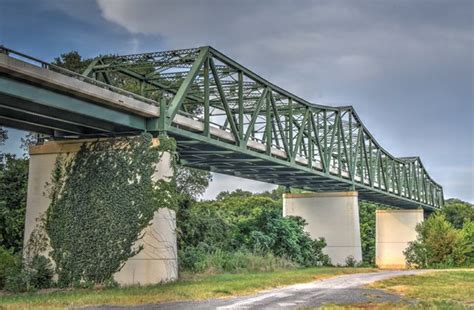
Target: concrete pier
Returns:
[[394, 230], [156, 263], [333, 216]]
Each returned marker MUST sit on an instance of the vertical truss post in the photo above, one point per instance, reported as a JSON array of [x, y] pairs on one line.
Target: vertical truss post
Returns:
[[290, 128], [268, 124], [241, 104], [310, 141], [164, 118], [206, 98]]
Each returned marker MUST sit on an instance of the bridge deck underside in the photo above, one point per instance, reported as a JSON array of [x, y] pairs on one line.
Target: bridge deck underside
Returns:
[[26, 115], [216, 158]]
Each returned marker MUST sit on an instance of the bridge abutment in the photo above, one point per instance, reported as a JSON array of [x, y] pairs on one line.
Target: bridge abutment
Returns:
[[394, 230], [333, 216], [156, 263]]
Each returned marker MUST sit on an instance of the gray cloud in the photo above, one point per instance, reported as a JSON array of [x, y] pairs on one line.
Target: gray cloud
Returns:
[[407, 66]]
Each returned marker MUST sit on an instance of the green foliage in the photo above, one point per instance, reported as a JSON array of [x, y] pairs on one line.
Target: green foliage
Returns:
[[191, 183], [72, 61], [457, 212], [25, 276], [237, 261], [351, 261], [13, 188], [237, 193], [7, 261], [367, 231], [101, 200], [42, 274], [241, 222], [3, 138], [439, 244], [468, 231]]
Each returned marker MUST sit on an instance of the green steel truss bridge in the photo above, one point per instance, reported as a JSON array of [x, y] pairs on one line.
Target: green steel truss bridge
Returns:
[[224, 117]]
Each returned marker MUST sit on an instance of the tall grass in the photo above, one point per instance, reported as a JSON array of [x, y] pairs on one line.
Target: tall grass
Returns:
[[239, 261]]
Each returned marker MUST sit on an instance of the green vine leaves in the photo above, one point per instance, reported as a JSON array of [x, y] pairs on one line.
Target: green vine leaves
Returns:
[[101, 200]]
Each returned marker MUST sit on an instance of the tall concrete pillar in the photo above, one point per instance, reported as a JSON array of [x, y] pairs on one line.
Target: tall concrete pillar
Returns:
[[394, 230], [333, 216], [156, 263]]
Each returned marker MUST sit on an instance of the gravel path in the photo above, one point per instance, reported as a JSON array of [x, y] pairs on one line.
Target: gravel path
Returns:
[[340, 289]]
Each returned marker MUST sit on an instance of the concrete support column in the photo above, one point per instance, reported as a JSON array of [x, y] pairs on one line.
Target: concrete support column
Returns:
[[156, 263], [333, 216], [394, 230]]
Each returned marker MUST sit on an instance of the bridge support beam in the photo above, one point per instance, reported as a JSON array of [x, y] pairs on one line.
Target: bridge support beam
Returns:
[[156, 263], [394, 230], [333, 216]]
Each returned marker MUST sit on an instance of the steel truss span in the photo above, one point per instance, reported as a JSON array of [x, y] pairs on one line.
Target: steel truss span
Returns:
[[228, 119]]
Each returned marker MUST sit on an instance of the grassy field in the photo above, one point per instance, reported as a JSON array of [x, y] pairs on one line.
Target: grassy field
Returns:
[[453, 289], [191, 287], [438, 286]]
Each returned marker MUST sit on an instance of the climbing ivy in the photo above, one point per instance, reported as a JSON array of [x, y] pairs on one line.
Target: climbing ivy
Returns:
[[101, 200]]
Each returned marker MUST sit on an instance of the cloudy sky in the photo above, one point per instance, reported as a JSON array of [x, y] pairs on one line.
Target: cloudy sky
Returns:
[[406, 66]]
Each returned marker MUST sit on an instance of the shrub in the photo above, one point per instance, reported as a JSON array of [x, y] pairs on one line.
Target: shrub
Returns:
[[269, 232], [29, 276], [42, 272], [351, 261], [468, 231], [17, 279], [7, 261], [198, 260], [211, 231], [438, 244]]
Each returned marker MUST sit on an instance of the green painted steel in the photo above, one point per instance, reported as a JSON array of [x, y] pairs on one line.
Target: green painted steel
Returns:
[[69, 104], [269, 134]]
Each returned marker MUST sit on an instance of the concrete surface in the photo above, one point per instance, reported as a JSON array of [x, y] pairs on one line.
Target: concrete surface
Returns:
[[71, 85], [338, 290], [332, 215], [156, 263], [394, 230]]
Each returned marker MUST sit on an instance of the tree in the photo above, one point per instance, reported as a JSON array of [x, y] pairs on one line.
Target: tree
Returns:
[[236, 193], [72, 61], [439, 244], [367, 231], [3, 138], [192, 183], [3, 135], [457, 212], [13, 188]]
